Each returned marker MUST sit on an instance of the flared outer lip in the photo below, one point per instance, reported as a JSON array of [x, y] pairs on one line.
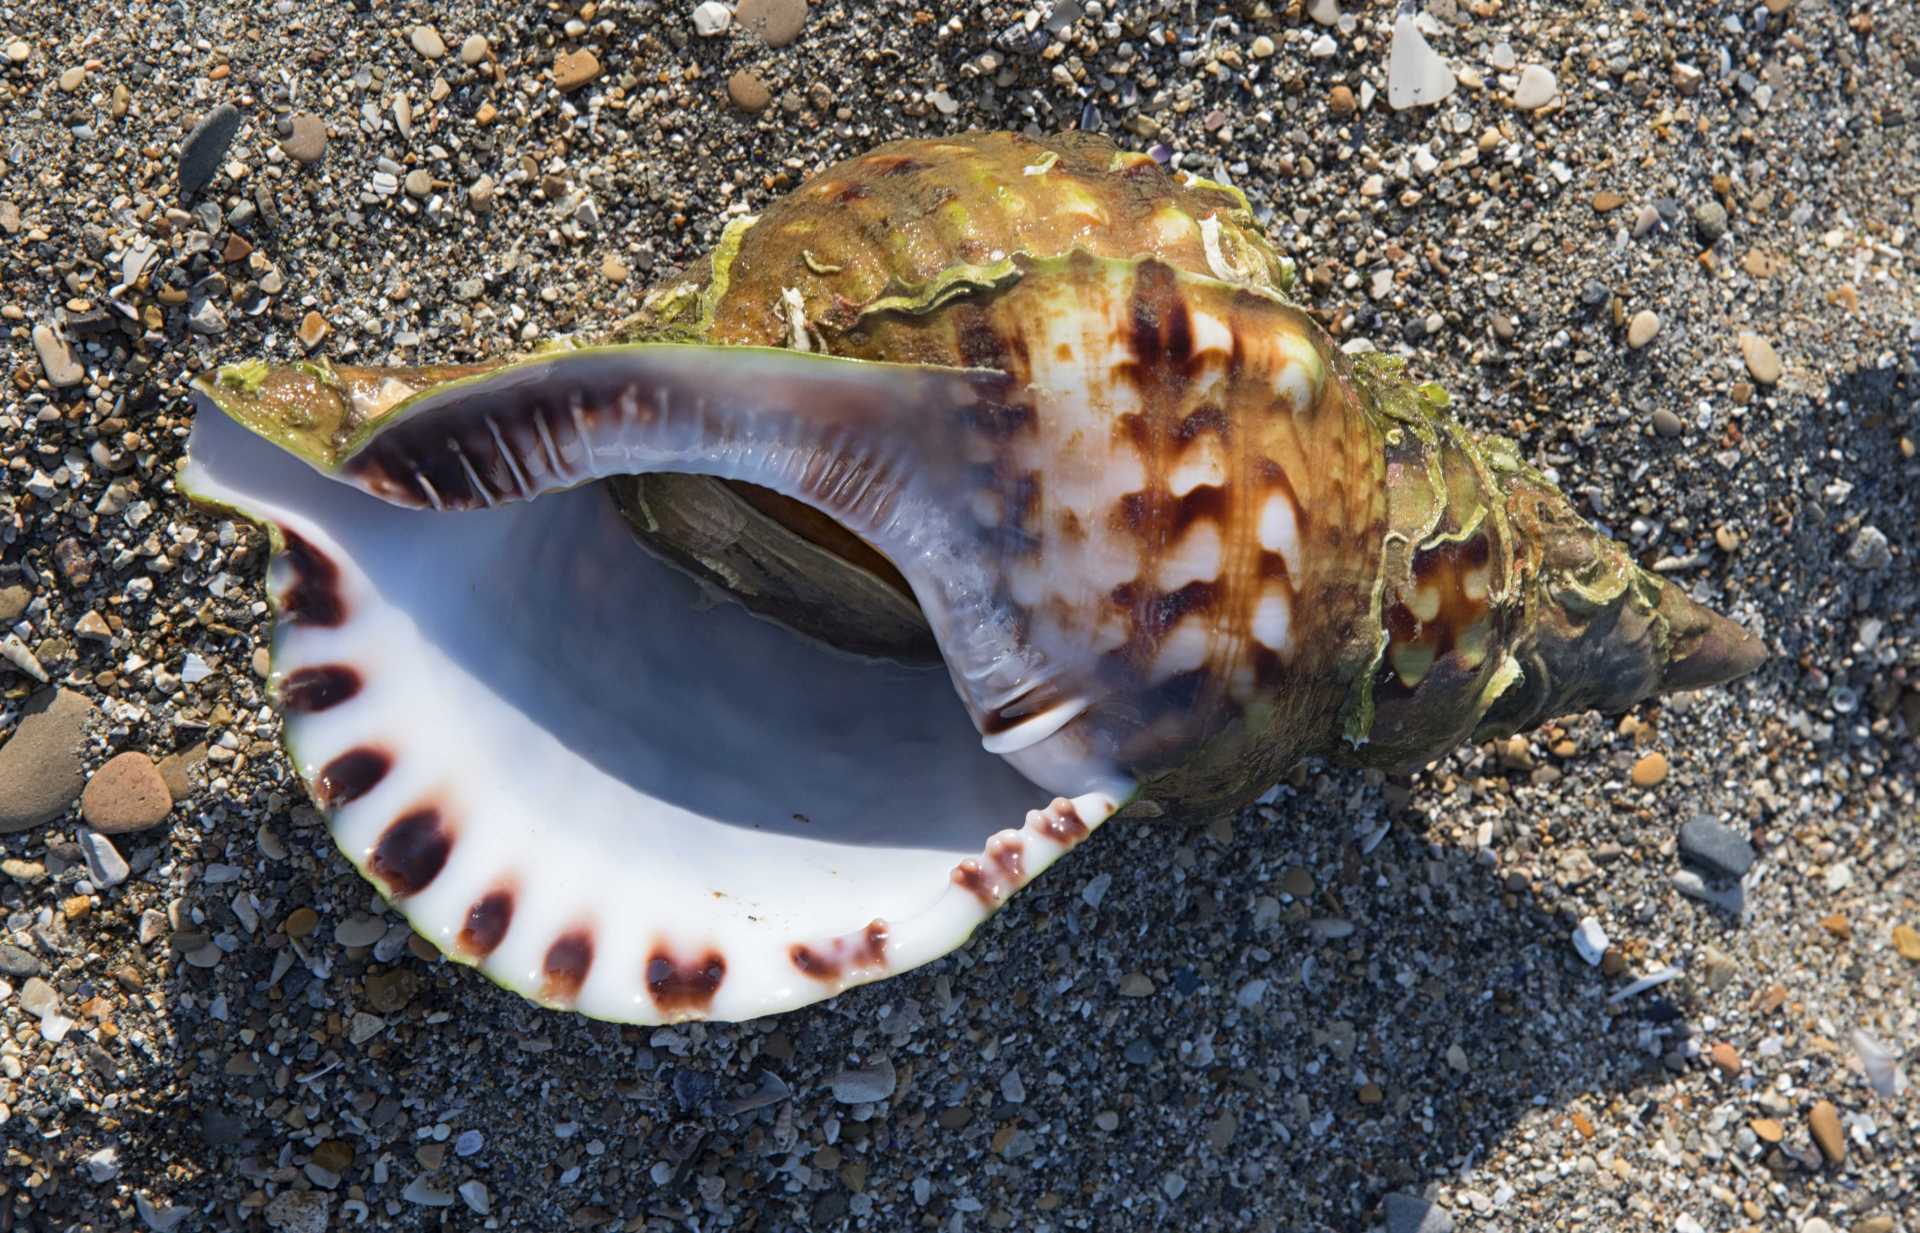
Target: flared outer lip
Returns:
[[444, 767]]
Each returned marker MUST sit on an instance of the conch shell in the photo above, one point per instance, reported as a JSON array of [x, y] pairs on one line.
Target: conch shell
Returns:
[[1037, 496]]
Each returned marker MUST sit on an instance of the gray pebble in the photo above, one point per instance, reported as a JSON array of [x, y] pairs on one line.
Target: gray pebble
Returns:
[[1710, 221], [306, 139], [15, 964], [1715, 847], [105, 865], [863, 1086], [38, 998], [1409, 1213], [57, 358], [205, 146]]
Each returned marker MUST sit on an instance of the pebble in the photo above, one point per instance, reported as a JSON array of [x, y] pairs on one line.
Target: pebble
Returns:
[[359, 929], [1340, 101], [864, 1085], [1762, 361], [474, 1195], [1823, 1120], [777, 22], [1715, 847], [204, 147], [1725, 1058], [1537, 87], [748, 92], [480, 194], [475, 49], [1642, 328], [57, 358], [300, 1211], [127, 794], [313, 329], [1416, 75], [1409, 1213], [427, 41], [306, 139], [1650, 770], [1731, 900], [1906, 940], [13, 601], [105, 866], [1666, 423], [1324, 12], [1710, 221], [38, 998], [1590, 940], [1136, 985], [419, 183], [573, 69], [711, 19], [17, 964], [41, 772]]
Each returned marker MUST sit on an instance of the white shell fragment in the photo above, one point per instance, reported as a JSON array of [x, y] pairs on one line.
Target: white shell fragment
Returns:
[[1416, 74], [567, 768]]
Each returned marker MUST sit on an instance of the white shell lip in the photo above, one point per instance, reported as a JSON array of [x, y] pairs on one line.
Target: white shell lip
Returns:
[[564, 769]]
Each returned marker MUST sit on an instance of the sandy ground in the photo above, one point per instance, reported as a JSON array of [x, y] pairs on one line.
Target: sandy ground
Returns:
[[1289, 1021]]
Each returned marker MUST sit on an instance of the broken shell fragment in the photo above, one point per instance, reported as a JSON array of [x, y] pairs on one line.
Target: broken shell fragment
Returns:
[[766, 645]]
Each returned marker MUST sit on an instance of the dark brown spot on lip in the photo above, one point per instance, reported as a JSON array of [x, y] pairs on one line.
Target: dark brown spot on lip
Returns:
[[564, 969], [412, 852], [1010, 857], [487, 922], [317, 689], [865, 951], [679, 988], [1062, 822], [350, 776], [969, 876], [314, 596]]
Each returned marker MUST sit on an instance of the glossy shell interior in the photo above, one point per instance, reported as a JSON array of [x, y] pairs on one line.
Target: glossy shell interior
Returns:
[[572, 769]]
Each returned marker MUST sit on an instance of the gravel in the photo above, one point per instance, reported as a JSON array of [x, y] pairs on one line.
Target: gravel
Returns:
[[1358, 997]]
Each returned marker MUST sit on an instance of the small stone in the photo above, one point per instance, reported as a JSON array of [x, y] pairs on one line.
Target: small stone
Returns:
[[206, 318], [1824, 1121], [19, 51], [1409, 1213], [1538, 87], [1767, 1130], [300, 1211], [474, 49], [57, 358], [613, 269], [360, 929], [1906, 940], [1869, 549], [573, 69], [1606, 201], [1416, 75], [306, 139], [1837, 926], [179, 770], [777, 22], [1726, 1059], [427, 41], [474, 1195], [204, 147], [1642, 328], [300, 922], [17, 964], [1715, 847], [1762, 361], [13, 601], [1649, 770], [105, 866], [1666, 423], [38, 998], [480, 194], [865, 1085], [1726, 538], [40, 768], [313, 330], [748, 92], [1873, 1224], [422, 1192], [1262, 47], [1340, 101], [419, 183], [1324, 12], [1591, 941], [127, 794], [1710, 221], [1297, 882], [1136, 985], [711, 19]]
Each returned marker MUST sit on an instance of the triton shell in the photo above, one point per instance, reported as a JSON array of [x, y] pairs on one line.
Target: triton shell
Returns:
[[977, 489]]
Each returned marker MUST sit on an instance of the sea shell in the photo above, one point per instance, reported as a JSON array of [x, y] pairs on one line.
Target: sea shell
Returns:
[[1034, 405]]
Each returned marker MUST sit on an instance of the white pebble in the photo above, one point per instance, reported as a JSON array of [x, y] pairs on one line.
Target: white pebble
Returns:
[[1537, 88], [1416, 75], [1591, 941], [711, 19]]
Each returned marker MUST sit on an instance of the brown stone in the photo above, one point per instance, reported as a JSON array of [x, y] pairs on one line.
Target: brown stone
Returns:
[[777, 22], [573, 69], [1650, 770], [300, 922], [1341, 101], [1606, 201], [1762, 361], [748, 92], [1768, 1130], [127, 794], [179, 770], [1906, 940], [334, 1155], [1838, 926], [313, 328], [1726, 1059], [40, 767], [1824, 1121]]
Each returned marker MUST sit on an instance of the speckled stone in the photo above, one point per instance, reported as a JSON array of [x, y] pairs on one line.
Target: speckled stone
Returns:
[[127, 794], [40, 768]]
